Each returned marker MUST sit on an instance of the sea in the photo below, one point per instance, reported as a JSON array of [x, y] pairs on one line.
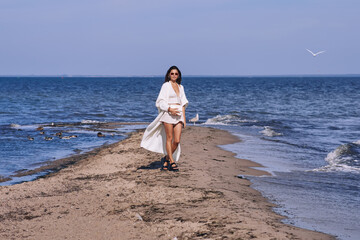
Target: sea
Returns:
[[305, 131]]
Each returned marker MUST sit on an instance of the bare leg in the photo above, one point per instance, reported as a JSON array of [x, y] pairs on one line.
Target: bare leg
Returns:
[[169, 129], [176, 138], [175, 144]]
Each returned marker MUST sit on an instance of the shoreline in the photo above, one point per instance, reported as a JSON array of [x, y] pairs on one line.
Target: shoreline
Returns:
[[51, 166], [118, 189]]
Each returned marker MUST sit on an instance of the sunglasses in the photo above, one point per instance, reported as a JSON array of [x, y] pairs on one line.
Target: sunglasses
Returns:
[[174, 73]]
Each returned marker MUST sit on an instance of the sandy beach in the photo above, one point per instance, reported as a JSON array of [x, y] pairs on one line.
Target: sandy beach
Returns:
[[118, 192]]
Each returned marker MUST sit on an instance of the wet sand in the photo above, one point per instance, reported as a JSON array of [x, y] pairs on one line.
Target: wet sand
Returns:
[[118, 192]]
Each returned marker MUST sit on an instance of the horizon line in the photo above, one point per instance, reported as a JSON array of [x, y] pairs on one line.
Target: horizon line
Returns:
[[190, 75]]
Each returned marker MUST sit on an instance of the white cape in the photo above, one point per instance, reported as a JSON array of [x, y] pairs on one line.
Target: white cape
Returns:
[[154, 138]]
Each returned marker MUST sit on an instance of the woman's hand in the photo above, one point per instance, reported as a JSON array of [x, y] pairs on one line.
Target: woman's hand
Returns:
[[173, 111]]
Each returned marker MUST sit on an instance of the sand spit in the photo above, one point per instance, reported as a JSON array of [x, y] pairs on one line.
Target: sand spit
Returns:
[[118, 192]]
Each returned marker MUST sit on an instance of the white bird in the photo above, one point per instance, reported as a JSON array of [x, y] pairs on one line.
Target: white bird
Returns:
[[195, 119], [315, 54]]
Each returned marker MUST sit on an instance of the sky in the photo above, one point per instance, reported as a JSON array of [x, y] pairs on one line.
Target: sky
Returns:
[[201, 37]]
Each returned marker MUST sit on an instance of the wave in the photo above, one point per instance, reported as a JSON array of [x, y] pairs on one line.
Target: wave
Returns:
[[269, 132], [89, 121], [14, 125], [46, 125], [345, 158], [230, 119], [23, 127]]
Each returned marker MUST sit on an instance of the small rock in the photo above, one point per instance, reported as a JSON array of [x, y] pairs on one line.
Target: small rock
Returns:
[[241, 176], [99, 134], [139, 217]]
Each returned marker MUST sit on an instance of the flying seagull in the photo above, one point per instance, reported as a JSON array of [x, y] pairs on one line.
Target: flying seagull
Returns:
[[315, 54]]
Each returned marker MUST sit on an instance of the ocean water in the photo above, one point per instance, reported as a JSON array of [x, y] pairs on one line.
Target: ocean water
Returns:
[[303, 130]]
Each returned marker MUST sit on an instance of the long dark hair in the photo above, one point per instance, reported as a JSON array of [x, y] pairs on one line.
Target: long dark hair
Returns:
[[167, 76]]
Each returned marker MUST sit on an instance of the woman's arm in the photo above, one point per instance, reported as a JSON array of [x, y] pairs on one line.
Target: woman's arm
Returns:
[[183, 110], [184, 101]]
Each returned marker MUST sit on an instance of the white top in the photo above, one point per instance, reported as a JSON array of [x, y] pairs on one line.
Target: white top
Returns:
[[154, 138], [174, 98], [167, 95]]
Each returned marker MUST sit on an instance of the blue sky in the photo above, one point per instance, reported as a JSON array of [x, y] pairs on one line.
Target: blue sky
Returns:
[[202, 37]]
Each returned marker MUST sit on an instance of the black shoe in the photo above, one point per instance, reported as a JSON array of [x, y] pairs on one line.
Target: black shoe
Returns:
[[174, 167], [163, 166]]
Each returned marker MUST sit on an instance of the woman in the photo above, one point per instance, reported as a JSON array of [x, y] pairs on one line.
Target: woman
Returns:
[[164, 133]]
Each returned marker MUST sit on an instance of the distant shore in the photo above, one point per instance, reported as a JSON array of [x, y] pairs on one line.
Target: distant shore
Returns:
[[118, 192]]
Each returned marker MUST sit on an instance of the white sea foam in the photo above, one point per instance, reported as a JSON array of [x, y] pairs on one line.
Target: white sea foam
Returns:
[[227, 120], [23, 127], [14, 125], [269, 132], [86, 121], [337, 168]]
